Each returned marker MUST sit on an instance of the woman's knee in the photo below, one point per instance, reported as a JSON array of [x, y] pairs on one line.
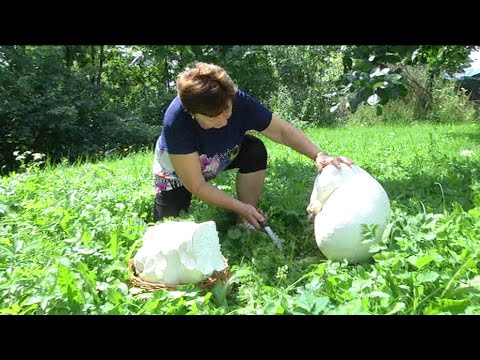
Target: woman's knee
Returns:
[[255, 153], [171, 203]]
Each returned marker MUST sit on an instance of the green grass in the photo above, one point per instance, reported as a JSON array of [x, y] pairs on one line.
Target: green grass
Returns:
[[67, 233]]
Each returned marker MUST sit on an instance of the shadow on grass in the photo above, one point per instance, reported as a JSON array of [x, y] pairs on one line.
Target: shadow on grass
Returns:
[[433, 194], [472, 134]]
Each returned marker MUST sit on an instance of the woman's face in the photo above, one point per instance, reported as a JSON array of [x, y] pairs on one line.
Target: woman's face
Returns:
[[217, 122]]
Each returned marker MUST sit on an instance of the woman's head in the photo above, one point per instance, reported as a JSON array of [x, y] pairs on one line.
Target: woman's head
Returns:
[[206, 89]]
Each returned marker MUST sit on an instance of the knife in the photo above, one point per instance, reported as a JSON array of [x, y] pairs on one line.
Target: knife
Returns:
[[266, 227]]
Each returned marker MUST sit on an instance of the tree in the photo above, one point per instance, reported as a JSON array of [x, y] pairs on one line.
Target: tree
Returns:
[[376, 74]]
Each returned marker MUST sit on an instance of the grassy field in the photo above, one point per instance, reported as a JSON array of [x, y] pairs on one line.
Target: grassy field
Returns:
[[67, 233]]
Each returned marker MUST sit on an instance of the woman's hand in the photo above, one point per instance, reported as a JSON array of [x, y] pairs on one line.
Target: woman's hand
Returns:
[[252, 215], [323, 159]]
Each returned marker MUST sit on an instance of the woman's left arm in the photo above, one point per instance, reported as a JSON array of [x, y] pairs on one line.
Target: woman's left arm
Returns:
[[284, 133]]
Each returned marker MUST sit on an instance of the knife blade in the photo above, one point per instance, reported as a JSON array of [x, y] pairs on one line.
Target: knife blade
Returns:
[[276, 240]]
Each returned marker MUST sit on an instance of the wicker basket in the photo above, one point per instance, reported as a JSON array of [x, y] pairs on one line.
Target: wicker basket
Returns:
[[206, 284]]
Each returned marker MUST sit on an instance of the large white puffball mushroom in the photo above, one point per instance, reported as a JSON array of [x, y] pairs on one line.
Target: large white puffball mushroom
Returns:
[[181, 252], [343, 202]]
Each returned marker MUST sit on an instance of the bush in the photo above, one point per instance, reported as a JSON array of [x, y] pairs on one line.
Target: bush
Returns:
[[128, 133], [445, 104], [451, 105], [394, 112]]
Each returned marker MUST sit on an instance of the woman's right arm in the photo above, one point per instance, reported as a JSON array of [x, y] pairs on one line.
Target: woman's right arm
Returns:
[[187, 167]]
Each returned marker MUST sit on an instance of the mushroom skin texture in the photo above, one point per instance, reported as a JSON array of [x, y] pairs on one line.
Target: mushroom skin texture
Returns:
[[345, 203]]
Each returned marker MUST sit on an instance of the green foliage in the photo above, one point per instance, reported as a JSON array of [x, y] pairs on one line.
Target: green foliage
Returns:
[[78, 101], [36, 91], [450, 105], [448, 59], [304, 76], [395, 112], [249, 66], [443, 104], [60, 108], [374, 74]]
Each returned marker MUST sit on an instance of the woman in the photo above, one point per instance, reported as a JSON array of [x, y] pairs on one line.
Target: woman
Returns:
[[203, 134]]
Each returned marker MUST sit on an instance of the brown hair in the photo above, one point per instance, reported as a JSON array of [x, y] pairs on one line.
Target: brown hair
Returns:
[[205, 89]]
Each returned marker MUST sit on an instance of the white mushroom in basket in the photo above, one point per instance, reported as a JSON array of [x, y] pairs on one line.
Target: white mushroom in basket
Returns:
[[179, 252]]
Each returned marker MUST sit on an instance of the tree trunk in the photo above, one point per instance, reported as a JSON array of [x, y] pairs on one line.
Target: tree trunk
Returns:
[[68, 56], [167, 74], [100, 64]]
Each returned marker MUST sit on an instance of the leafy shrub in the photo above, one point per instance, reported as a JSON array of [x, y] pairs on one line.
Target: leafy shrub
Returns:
[[451, 105]]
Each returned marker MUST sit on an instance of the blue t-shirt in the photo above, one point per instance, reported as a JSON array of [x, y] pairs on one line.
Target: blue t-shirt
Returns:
[[181, 134]]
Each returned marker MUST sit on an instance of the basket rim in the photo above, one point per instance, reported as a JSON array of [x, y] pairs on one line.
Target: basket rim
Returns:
[[208, 283]]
